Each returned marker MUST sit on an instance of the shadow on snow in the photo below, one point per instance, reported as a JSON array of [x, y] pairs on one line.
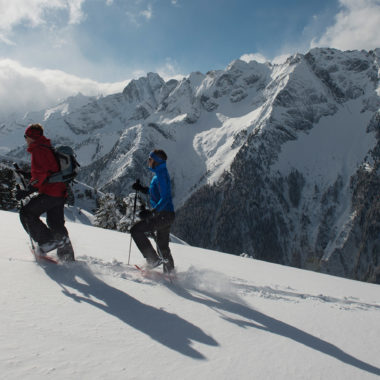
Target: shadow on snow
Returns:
[[166, 328], [246, 316], [173, 331]]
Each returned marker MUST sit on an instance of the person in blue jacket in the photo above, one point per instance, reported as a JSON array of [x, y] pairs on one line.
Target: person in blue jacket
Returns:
[[160, 218]]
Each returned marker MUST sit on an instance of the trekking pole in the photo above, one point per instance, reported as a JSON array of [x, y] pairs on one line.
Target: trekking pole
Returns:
[[133, 219], [20, 180], [21, 184]]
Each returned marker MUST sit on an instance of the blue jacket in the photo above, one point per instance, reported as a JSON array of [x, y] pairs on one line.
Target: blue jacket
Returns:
[[160, 189]]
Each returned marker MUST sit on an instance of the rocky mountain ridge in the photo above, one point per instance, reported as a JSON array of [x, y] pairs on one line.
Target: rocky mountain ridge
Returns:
[[271, 160]]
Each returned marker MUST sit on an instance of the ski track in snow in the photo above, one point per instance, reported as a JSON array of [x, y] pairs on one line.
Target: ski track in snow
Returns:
[[196, 280], [224, 317], [216, 284]]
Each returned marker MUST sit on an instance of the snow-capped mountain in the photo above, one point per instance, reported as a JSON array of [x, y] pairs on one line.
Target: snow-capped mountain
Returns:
[[277, 161], [303, 187]]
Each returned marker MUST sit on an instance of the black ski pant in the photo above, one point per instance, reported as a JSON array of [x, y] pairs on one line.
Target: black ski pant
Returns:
[[55, 219], [160, 225]]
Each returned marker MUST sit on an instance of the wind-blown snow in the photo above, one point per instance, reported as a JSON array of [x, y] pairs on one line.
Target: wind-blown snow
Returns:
[[225, 317]]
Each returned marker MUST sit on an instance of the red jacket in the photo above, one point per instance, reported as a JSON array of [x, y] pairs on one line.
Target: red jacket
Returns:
[[43, 165]]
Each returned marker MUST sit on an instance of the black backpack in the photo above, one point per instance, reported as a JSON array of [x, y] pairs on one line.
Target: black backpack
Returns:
[[68, 165]]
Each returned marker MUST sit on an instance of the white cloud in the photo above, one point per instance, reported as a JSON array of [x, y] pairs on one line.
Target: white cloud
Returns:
[[25, 89], [137, 16], [147, 13], [15, 12], [132, 18], [34, 13], [75, 10], [280, 59], [258, 57], [169, 70], [356, 26], [5, 39]]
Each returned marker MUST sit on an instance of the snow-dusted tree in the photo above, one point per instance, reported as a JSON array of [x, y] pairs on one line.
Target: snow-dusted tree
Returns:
[[130, 217], [7, 184], [110, 212]]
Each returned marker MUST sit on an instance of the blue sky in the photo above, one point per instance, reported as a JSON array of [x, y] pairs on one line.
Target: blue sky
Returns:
[[146, 35], [94, 45], [196, 34]]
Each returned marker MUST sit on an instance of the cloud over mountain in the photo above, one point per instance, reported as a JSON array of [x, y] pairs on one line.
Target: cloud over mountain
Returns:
[[24, 89], [356, 26]]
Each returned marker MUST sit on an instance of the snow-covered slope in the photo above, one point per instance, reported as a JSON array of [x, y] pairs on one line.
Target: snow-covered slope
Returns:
[[274, 159], [225, 317]]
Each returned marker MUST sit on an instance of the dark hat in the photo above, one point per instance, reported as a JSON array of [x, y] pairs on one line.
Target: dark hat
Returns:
[[34, 131]]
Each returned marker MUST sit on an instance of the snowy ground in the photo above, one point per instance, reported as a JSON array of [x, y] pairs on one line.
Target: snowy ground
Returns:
[[225, 317]]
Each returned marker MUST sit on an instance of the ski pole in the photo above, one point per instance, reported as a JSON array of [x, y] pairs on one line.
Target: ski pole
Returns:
[[133, 219], [21, 184], [20, 180]]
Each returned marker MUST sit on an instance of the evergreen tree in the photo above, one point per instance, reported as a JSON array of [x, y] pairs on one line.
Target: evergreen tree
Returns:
[[7, 186], [110, 212], [115, 213], [70, 200], [130, 218]]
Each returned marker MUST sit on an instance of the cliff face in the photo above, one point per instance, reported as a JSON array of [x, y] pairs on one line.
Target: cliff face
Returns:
[[303, 188]]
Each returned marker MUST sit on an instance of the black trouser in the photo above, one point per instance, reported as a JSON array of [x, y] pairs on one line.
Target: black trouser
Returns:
[[160, 224], [55, 220]]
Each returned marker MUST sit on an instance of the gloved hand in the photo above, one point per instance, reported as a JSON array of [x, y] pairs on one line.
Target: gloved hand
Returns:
[[146, 214], [138, 187], [21, 194]]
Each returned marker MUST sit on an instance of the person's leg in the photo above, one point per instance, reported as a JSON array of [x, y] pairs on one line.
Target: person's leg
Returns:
[[163, 245], [163, 238], [55, 218], [30, 218], [138, 232]]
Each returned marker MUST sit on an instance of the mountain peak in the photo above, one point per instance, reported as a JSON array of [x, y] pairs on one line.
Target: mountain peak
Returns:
[[276, 149]]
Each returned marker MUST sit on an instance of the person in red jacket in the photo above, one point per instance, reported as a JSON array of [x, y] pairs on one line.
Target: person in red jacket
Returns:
[[50, 199]]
